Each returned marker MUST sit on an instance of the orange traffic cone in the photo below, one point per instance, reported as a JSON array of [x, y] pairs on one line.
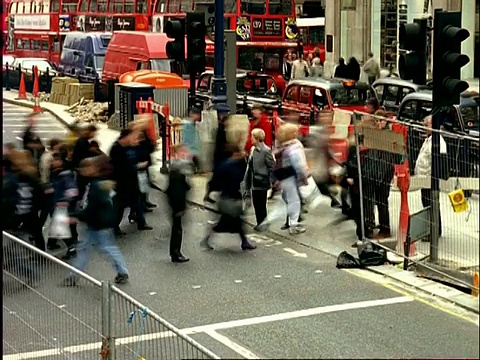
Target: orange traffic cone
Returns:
[[36, 105], [22, 90], [36, 87]]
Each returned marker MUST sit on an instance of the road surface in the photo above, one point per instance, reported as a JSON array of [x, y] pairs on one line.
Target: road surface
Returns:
[[15, 122], [281, 300]]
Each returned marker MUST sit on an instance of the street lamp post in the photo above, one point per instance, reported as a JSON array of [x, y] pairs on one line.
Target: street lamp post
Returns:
[[219, 81]]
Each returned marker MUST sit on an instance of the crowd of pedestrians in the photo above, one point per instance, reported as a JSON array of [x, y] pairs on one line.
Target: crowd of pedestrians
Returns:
[[75, 178]]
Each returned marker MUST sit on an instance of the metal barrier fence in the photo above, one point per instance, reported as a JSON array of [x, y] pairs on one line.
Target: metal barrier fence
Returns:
[[12, 76], [394, 167], [42, 318]]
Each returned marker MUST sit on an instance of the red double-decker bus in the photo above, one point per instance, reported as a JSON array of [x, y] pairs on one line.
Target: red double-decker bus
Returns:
[[114, 15], [265, 29], [36, 28]]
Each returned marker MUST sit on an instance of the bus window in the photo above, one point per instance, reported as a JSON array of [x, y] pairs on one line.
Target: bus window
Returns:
[[19, 44], [129, 6], [35, 44], [230, 7], [55, 6], [173, 5], [161, 6], [93, 6], [83, 5], [141, 7], [102, 6], [186, 5], [118, 6], [280, 7], [253, 7], [26, 44], [45, 45]]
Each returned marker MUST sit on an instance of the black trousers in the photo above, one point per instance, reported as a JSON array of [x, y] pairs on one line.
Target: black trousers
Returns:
[[123, 200], [176, 236], [31, 224], [356, 214], [427, 201], [259, 200], [382, 193]]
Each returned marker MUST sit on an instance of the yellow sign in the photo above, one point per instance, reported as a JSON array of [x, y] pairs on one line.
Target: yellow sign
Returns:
[[458, 201]]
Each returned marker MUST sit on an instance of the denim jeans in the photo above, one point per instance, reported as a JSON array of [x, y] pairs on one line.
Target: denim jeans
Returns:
[[104, 240], [291, 197]]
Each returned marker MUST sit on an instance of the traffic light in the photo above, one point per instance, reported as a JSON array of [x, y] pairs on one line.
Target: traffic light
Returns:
[[196, 46], [412, 64], [447, 58], [175, 29]]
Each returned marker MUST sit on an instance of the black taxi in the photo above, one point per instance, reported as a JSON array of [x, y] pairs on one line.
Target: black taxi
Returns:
[[252, 88], [308, 96]]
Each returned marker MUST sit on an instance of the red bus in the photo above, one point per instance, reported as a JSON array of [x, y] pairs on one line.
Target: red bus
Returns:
[[265, 30], [5, 4], [36, 28], [114, 15], [311, 25]]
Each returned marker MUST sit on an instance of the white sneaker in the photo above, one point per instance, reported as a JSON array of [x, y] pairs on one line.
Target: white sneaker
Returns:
[[295, 230]]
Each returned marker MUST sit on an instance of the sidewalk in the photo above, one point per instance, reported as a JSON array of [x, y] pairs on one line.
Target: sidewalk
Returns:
[[321, 235]]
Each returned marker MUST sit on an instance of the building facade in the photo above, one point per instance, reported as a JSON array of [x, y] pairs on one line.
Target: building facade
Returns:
[[361, 26]]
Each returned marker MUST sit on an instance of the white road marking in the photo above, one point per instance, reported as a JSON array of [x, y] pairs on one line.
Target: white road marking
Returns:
[[295, 253], [218, 326], [42, 126], [277, 276], [240, 350]]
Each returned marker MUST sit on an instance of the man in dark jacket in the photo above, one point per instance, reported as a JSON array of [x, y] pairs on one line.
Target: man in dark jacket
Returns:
[[177, 191], [341, 71], [125, 165], [81, 151]]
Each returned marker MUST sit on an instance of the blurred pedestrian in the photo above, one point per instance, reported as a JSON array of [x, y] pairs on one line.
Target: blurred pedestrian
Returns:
[[291, 171], [81, 151], [259, 121], [178, 187], [220, 154], [341, 71], [23, 196], [300, 67], [65, 193], [287, 66], [259, 176], [371, 68], [125, 174], [423, 165], [316, 69], [353, 69], [230, 205], [45, 172], [99, 216]]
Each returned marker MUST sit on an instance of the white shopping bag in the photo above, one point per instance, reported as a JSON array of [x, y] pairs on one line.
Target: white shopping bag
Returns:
[[60, 224], [312, 196], [143, 183]]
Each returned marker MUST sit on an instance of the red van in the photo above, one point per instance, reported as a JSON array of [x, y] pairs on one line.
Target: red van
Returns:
[[136, 50]]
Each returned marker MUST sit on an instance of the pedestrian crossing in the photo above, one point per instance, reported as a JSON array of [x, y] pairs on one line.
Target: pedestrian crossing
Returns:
[[15, 121]]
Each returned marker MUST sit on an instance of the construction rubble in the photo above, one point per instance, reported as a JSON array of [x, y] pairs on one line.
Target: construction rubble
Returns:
[[89, 111]]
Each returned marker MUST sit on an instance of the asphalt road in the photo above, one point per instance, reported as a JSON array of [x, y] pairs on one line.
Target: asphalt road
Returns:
[[15, 121], [278, 301]]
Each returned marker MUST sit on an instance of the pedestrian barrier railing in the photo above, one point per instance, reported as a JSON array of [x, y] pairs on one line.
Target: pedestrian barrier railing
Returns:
[[93, 319], [11, 78], [395, 179]]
